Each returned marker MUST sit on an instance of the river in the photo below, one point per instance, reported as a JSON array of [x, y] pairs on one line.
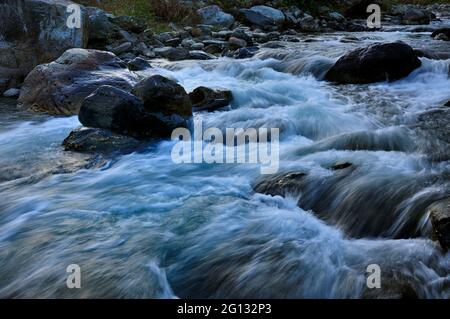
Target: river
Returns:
[[140, 226]]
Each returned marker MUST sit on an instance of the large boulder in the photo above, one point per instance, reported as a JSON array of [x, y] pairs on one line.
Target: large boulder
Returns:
[[213, 15], [264, 16], [123, 113], [162, 95], [34, 32], [378, 62], [61, 86], [116, 110], [206, 99]]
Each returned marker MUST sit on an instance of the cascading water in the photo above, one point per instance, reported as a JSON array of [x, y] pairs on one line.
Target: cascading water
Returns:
[[141, 226]]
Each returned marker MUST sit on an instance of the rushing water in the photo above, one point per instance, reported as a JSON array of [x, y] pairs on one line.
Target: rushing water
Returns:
[[140, 226]]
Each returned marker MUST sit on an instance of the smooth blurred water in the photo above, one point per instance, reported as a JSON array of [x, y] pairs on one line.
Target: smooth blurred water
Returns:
[[141, 226]]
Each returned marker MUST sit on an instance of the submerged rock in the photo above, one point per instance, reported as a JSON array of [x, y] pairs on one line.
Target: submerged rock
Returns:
[[206, 99], [347, 199], [281, 185], [341, 166], [376, 63], [61, 86], [100, 141]]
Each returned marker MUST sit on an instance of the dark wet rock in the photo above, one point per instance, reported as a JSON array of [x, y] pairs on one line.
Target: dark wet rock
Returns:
[[293, 15], [410, 15], [376, 63], [440, 219], [121, 48], [273, 45], [213, 49], [126, 57], [130, 24], [175, 42], [187, 43], [34, 32], [213, 15], [282, 184], [142, 49], [244, 53], [10, 78], [198, 47], [432, 54], [116, 110], [161, 95], [352, 203], [441, 34], [341, 166], [349, 39], [352, 26], [61, 86], [264, 16], [206, 99], [201, 31], [399, 139], [447, 104], [220, 43], [309, 24], [102, 31], [200, 55], [175, 54], [138, 64], [237, 43], [241, 34], [100, 141], [392, 288], [165, 37], [442, 37]]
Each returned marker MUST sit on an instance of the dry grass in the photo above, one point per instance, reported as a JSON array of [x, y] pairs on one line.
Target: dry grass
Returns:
[[157, 13]]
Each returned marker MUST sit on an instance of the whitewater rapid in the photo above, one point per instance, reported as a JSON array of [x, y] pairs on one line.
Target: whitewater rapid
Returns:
[[140, 226]]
